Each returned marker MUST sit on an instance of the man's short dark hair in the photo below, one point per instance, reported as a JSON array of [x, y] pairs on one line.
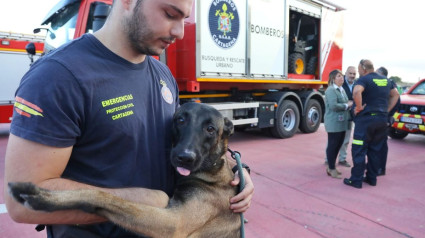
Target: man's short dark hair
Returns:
[[382, 71]]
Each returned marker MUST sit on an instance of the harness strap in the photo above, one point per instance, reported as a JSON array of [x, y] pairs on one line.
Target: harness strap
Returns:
[[237, 156]]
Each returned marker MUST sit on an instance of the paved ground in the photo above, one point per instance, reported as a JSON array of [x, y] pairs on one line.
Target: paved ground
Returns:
[[295, 198]]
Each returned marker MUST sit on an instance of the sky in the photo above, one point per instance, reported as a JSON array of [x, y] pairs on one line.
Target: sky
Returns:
[[390, 33]]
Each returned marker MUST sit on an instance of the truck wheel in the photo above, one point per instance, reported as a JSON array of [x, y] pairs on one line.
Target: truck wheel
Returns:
[[296, 63], [397, 134], [287, 120], [240, 128], [311, 65], [310, 122]]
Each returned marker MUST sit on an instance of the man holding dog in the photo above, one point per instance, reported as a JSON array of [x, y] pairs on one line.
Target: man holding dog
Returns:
[[97, 113]]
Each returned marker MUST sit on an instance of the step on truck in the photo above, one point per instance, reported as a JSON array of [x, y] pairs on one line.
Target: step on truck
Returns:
[[260, 63]]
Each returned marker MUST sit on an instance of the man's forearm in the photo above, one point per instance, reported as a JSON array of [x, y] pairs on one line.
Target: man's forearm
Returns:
[[25, 215], [357, 98], [394, 96]]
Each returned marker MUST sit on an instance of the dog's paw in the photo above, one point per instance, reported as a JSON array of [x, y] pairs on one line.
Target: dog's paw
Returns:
[[29, 195], [18, 189]]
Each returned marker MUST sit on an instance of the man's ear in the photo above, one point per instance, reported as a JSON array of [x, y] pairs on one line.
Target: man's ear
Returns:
[[127, 4], [228, 127]]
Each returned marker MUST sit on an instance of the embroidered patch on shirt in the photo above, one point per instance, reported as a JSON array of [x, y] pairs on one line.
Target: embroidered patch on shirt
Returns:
[[166, 92], [27, 109]]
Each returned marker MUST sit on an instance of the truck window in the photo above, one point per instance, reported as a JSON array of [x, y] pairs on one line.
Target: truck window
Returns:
[[419, 90], [61, 27], [99, 11]]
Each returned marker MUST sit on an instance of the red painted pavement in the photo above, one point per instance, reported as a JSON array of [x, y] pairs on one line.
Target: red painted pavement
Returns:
[[295, 198]]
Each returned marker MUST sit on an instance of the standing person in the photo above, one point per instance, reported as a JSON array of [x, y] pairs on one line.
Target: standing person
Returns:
[[97, 114], [383, 165], [349, 80], [336, 119], [374, 96]]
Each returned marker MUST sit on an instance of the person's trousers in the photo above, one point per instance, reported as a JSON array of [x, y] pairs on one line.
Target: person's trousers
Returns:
[[369, 139], [335, 140], [383, 166], [343, 150]]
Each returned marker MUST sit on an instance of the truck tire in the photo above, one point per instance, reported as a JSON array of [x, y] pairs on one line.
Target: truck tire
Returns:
[[311, 65], [296, 63], [397, 134], [287, 120], [310, 122]]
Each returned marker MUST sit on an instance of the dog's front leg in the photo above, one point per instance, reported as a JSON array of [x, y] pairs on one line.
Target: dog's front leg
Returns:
[[139, 218], [40, 199]]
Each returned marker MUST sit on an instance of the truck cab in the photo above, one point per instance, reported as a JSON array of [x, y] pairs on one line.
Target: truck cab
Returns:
[[410, 115], [70, 19]]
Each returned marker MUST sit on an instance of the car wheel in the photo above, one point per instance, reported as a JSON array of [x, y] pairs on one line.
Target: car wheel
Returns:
[[397, 134]]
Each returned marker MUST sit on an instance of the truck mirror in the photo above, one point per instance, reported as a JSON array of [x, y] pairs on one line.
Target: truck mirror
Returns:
[[30, 48], [100, 14]]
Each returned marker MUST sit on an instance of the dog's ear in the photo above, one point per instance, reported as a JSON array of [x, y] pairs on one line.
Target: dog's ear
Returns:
[[228, 127]]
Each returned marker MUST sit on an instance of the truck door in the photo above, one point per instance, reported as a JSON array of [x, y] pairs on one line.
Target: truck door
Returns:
[[331, 41]]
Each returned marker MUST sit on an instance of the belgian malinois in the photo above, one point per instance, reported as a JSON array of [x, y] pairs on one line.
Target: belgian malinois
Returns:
[[200, 204]]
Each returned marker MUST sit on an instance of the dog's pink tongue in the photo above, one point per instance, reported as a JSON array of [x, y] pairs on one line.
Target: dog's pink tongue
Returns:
[[183, 171]]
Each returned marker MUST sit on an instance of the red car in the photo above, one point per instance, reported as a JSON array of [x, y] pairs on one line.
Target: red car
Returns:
[[410, 116]]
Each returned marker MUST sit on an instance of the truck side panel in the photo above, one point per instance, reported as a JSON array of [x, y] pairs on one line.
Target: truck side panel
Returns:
[[331, 42]]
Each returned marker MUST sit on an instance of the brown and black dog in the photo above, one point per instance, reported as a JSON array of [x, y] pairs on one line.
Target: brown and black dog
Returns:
[[200, 204]]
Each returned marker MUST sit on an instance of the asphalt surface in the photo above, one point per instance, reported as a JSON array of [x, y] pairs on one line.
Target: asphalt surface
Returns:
[[295, 198]]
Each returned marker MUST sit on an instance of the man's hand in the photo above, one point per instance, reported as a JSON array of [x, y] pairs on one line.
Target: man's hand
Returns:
[[242, 201], [358, 109]]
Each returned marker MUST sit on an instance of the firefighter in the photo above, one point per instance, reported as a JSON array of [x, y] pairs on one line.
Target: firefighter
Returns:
[[374, 96]]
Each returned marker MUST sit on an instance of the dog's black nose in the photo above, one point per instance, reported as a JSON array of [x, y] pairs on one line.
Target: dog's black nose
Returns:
[[186, 157]]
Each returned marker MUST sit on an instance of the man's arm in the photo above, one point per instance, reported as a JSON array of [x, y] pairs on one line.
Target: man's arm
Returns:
[[27, 161], [394, 95], [357, 98]]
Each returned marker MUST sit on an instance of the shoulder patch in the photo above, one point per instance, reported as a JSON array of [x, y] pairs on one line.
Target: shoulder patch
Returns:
[[26, 108]]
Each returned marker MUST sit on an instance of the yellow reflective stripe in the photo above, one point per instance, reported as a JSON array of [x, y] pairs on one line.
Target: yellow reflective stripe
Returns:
[[358, 142], [418, 116], [27, 109], [400, 125], [380, 82], [422, 127]]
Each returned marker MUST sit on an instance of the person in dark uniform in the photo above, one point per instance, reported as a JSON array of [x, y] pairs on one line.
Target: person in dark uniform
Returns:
[[374, 96], [97, 113], [382, 169]]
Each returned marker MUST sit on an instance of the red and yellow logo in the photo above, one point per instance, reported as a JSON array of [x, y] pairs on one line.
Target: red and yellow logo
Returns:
[[25, 108]]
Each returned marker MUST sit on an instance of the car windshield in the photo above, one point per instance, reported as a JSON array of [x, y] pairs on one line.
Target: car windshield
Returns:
[[419, 90], [62, 27]]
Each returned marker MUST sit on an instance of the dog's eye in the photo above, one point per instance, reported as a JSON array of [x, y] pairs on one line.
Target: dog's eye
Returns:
[[180, 120], [210, 129]]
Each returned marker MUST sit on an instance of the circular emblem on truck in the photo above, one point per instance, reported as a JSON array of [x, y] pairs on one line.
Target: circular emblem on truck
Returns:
[[223, 20], [413, 109]]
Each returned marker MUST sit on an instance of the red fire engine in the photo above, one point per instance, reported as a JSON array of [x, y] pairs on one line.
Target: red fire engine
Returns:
[[261, 63], [14, 63]]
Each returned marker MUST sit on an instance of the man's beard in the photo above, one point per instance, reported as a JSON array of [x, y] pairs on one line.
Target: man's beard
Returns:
[[138, 35]]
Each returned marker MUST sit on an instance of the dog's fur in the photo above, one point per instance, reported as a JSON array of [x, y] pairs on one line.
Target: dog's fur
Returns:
[[200, 205]]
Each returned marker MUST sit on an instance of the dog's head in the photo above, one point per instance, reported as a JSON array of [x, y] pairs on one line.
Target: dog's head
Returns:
[[200, 136]]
